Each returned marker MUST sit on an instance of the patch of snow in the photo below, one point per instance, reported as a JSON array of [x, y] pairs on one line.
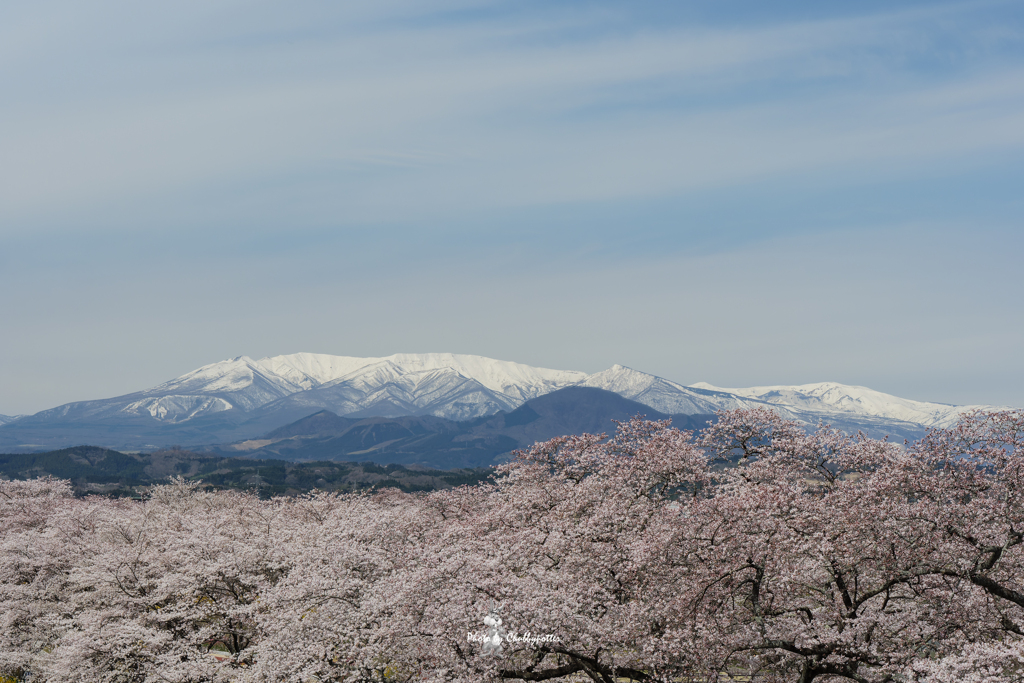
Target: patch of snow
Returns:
[[662, 394], [175, 409], [497, 375]]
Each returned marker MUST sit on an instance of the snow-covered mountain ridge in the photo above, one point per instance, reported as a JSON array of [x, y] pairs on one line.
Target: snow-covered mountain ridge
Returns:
[[442, 384], [827, 398], [463, 387]]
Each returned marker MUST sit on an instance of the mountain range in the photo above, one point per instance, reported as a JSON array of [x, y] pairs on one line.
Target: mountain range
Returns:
[[242, 399]]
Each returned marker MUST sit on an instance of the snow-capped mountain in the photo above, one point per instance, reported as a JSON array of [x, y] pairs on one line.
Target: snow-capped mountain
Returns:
[[849, 408], [445, 385], [664, 395], [442, 384], [244, 398], [7, 419], [241, 384], [824, 399]]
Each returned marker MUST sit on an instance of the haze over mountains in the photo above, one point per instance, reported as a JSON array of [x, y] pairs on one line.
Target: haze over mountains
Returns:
[[243, 399]]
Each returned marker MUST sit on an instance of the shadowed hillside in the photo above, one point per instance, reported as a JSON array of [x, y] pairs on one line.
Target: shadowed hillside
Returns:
[[444, 444], [101, 471]]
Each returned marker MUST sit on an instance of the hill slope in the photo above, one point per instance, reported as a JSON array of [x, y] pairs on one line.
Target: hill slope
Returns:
[[437, 442]]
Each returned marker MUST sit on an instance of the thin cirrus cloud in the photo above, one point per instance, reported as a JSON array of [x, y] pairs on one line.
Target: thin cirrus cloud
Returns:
[[196, 180], [485, 113]]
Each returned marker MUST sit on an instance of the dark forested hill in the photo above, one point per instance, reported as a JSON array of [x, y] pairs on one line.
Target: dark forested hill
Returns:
[[101, 471], [444, 444]]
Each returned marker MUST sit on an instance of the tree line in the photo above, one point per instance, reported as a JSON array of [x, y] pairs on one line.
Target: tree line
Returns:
[[93, 470]]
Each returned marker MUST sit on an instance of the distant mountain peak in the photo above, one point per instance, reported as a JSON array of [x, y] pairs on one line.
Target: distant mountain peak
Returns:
[[826, 399], [242, 395]]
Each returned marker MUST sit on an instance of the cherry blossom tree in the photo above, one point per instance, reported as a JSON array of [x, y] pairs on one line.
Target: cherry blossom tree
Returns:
[[566, 544], [33, 567], [815, 551], [754, 548], [978, 511]]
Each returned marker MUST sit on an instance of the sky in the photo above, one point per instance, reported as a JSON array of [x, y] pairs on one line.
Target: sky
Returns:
[[741, 193]]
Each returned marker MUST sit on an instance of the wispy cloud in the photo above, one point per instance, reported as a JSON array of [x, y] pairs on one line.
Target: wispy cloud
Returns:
[[457, 175], [520, 118]]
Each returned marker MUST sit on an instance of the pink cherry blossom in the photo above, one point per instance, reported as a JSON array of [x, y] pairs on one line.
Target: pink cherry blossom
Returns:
[[753, 548]]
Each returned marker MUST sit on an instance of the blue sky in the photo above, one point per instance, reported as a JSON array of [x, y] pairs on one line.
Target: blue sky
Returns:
[[733, 192]]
